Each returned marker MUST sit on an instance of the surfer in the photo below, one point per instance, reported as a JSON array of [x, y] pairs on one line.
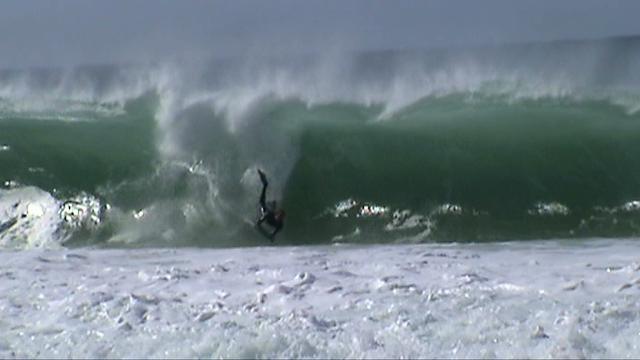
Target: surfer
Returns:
[[269, 210]]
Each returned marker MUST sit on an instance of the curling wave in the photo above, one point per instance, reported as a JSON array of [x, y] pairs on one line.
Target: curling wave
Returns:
[[530, 141]]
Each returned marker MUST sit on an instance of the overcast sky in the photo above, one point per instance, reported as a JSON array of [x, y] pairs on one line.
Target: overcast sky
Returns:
[[60, 32]]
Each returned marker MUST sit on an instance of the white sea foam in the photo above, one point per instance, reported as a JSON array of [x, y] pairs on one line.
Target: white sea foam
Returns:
[[528, 299], [28, 219], [33, 218]]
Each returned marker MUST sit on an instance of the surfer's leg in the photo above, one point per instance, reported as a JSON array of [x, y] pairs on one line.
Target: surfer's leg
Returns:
[[263, 177], [263, 195]]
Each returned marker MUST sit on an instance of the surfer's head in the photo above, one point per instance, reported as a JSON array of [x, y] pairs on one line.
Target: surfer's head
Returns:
[[280, 215]]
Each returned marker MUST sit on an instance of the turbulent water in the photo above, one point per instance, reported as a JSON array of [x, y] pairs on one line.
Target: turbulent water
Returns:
[[549, 299], [514, 142]]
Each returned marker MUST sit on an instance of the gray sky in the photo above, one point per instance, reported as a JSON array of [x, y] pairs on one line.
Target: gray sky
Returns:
[[60, 32]]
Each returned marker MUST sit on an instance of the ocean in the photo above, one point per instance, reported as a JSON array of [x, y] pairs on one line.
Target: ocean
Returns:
[[118, 181]]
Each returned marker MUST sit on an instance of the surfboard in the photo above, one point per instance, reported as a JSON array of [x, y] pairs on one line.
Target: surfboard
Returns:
[[8, 224], [264, 232], [258, 228]]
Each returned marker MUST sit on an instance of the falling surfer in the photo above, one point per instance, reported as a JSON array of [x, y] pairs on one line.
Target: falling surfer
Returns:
[[269, 212]]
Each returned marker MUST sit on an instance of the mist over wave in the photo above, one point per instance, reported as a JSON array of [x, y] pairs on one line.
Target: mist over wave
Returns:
[[521, 141]]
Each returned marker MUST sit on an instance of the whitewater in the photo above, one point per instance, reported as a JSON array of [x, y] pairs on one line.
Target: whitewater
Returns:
[[558, 299], [445, 203]]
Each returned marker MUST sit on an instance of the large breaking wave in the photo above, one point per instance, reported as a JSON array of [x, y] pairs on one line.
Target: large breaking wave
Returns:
[[514, 142]]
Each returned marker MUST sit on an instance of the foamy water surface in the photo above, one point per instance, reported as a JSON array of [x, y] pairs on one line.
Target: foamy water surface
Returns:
[[524, 299]]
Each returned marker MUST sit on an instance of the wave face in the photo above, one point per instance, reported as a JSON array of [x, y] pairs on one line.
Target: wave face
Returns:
[[516, 142]]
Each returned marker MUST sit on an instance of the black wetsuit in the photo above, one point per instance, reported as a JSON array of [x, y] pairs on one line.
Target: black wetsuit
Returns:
[[268, 213]]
